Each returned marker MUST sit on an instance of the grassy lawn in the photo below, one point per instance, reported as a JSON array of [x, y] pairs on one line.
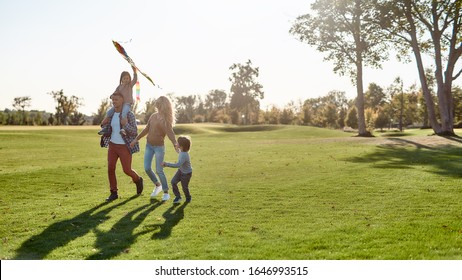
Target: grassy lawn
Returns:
[[262, 192]]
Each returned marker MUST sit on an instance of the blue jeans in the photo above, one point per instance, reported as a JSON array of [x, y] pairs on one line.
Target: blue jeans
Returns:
[[159, 152], [125, 109]]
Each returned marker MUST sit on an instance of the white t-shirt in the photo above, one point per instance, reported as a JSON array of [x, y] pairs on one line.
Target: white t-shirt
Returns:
[[116, 138]]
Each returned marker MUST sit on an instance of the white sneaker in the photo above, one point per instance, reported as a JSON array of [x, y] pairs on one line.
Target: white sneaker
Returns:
[[165, 197], [156, 191]]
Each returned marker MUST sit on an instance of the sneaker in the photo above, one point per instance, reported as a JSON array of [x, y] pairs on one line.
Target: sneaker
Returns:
[[123, 132], [112, 197], [103, 130], [188, 199], [139, 186], [156, 191], [165, 197], [177, 199]]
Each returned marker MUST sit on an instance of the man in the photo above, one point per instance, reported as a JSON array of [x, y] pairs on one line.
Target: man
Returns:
[[119, 146]]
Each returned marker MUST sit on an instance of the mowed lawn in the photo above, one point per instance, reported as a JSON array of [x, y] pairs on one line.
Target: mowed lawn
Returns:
[[259, 192]]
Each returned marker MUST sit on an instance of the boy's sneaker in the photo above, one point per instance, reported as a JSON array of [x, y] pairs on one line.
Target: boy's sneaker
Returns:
[[123, 132], [165, 197], [112, 197], [177, 200], [139, 186], [104, 130], [188, 199], [156, 191]]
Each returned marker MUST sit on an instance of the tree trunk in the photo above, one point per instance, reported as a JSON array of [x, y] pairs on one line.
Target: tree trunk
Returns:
[[362, 131], [443, 97], [423, 79]]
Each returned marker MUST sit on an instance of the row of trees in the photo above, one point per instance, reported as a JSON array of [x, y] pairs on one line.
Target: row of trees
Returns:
[[384, 108], [357, 33], [66, 112], [393, 106]]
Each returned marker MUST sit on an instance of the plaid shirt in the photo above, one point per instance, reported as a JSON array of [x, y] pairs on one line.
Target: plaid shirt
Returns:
[[131, 130]]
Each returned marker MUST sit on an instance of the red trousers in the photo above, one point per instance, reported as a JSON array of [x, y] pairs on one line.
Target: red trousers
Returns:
[[115, 152]]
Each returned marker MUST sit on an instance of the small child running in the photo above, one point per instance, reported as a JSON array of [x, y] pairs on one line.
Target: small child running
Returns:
[[184, 172]]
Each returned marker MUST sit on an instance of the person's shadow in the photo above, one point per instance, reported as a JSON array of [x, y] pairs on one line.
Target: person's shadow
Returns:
[[119, 238], [172, 216], [61, 233]]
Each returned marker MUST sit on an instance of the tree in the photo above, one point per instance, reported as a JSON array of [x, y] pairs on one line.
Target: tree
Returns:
[[77, 118], [20, 103], [352, 118], [215, 104], [326, 111], [397, 93], [65, 106], [272, 115], [103, 108], [287, 115], [149, 109], [339, 28], [433, 27], [245, 91], [185, 107], [374, 97], [381, 120], [457, 93]]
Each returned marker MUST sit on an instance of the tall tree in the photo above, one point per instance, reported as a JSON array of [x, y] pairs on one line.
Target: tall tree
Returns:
[[339, 28], [433, 27], [65, 106], [246, 91], [20, 103]]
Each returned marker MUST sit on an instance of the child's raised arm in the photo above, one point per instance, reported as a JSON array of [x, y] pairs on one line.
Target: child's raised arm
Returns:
[[135, 76]]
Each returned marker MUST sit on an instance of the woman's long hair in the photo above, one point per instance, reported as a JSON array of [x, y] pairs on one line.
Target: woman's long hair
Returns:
[[166, 110]]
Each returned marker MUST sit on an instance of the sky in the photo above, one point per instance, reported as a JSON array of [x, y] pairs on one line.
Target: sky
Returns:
[[186, 47]]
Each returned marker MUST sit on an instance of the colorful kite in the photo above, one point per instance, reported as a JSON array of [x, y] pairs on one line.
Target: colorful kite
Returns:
[[122, 51]]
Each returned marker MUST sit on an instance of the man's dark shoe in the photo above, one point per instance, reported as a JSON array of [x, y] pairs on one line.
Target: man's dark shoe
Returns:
[[112, 197], [139, 186]]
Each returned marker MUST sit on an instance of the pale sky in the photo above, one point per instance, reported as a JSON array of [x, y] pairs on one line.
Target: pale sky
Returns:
[[185, 46]]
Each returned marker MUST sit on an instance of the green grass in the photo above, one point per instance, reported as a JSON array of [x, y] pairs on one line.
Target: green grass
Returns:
[[262, 192]]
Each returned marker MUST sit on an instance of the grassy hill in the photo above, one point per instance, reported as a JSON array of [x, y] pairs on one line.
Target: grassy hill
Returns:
[[259, 192]]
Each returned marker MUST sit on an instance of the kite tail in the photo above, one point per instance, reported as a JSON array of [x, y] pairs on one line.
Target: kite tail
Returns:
[[138, 92]]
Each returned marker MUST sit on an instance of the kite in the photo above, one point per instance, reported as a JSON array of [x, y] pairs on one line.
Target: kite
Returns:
[[122, 51]]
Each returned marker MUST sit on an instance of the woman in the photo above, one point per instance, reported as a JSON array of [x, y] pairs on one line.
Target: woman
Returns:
[[159, 125]]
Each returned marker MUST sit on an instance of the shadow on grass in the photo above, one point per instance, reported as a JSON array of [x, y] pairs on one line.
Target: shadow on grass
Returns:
[[442, 160], [61, 233], [119, 238], [172, 216]]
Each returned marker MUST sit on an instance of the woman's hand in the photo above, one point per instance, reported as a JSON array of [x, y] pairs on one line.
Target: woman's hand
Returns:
[[177, 148]]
